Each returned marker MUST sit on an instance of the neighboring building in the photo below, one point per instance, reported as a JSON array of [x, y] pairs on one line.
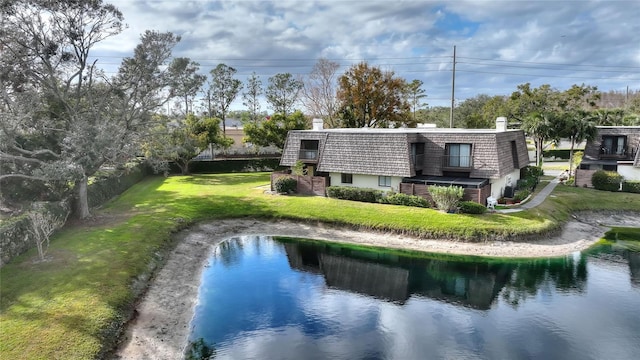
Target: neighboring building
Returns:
[[485, 159], [615, 148], [239, 148]]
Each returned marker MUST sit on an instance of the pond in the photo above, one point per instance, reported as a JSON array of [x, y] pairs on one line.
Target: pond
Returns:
[[283, 298]]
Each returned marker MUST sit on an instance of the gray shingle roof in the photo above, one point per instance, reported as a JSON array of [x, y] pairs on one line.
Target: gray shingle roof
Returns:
[[387, 151]]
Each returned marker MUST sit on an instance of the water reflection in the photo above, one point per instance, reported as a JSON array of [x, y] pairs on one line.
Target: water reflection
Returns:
[[470, 283], [264, 298]]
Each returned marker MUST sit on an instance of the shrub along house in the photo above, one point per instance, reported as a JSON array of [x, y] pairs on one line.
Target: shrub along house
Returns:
[[483, 161], [615, 148]]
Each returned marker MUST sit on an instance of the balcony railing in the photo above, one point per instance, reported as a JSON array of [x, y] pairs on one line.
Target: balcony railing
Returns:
[[461, 162], [308, 154], [614, 153]]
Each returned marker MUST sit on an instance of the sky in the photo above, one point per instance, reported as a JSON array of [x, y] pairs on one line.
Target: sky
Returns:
[[499, 44]]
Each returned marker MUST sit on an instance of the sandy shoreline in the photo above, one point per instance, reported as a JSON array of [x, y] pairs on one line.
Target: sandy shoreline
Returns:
[[161, 327]]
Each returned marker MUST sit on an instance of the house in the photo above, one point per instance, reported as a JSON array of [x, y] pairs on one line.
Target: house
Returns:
[[483, 161], [615, 148]]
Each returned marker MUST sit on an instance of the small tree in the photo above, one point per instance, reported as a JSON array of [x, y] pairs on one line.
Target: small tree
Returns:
[[446, 197], [179, 141], [42, 227], [274, 130], [298, 168]]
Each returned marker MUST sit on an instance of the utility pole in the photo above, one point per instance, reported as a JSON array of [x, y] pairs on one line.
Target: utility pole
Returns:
[[453, 87]]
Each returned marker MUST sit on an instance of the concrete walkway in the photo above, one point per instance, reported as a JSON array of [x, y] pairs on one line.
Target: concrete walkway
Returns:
[[537, 200]]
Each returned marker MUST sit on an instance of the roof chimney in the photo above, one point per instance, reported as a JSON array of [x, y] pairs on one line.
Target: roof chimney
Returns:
[[318, 124], [501, 123]]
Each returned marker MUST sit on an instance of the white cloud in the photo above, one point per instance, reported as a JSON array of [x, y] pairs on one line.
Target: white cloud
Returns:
[[413, 38]]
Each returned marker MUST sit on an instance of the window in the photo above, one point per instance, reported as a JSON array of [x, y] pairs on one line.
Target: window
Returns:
[[458, 155], [384, 181], [309, 149], [613, 145], [417, 155], [514, 155], [346, 178]]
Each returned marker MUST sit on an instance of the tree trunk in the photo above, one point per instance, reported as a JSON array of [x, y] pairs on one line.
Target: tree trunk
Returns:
[[184, 167], [82, 200], [573, 140]]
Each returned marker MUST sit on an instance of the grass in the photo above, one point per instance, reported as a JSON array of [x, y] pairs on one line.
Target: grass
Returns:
[[72, 306]]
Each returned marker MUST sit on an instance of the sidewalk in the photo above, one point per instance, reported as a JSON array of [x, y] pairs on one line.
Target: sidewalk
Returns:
[[537, 200]]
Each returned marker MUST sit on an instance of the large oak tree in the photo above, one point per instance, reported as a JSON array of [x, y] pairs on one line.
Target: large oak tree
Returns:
[[61, 118], [370, 97]]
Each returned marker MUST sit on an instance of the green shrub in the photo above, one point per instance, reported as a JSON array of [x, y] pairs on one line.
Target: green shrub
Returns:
[[557, 153], [606, 180], [527, 183], [521, 195], [531, 172], [354, 194], [404, 199], [286, 185], [471, 207], [446, 198], [631, 186]]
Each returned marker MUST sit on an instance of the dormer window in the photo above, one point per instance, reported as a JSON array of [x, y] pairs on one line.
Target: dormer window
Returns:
[[308, 150]]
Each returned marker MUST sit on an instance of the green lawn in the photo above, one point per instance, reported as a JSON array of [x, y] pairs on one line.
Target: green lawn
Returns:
[[71, 306]]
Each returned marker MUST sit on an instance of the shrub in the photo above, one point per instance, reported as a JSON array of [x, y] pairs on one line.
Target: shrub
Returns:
[[354, 194], [446, 197], [521, 195], [404, 199], [557, 153], [471, 207], [631, 186], [531, 172], [527, 183], [286, 185], [606, 180]]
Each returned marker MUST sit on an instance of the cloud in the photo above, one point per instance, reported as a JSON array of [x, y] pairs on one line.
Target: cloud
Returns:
[[415, 39]]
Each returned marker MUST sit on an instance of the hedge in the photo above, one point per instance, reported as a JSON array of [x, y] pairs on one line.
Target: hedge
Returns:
[[354, 194], [631, 186], [230, 166], [558, 154], [606, 180], [103, 189], [406, 200]]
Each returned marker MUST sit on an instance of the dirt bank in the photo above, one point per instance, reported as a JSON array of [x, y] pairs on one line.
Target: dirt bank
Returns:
[[161, 327]]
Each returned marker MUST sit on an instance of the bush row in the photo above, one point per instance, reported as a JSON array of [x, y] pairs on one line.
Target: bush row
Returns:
[[230, 165], [354, 194], [631, 186], [612, 181], [102, 189], [393, 198]]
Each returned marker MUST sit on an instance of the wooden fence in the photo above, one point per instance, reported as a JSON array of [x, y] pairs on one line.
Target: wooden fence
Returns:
[[583, 178], [307, 185]]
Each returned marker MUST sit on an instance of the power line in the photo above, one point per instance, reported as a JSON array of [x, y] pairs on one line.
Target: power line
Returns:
[[552, 64]]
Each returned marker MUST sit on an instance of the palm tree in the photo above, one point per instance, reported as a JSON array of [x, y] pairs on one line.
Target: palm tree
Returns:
[[539, 126], [577, 126]]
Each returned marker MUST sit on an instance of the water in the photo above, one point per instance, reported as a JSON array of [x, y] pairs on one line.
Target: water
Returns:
[[281, 298]]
